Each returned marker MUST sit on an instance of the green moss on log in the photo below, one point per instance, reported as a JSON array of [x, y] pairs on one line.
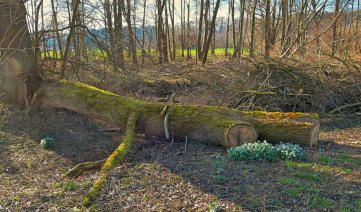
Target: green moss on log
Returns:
[[114, 159]]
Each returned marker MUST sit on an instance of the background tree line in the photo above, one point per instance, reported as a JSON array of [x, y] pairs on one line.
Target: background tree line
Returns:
[[126, 33]]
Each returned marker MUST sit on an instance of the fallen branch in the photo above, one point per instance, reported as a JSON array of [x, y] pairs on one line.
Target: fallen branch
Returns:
[[344, 106]]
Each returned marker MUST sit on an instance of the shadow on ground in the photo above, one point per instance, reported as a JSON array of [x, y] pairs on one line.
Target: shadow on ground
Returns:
[[158, 175]]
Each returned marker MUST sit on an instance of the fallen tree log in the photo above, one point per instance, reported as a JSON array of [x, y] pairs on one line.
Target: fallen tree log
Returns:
[[208, 124]]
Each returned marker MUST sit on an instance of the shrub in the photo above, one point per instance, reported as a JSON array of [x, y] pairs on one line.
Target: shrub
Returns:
[[47, 142], [265, 151]]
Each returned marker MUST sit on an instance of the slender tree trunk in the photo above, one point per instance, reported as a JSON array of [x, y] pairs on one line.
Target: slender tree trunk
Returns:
[[200, 24], [169, 48], [206, 26], [188, 33], [131, 35], [238, 50], [227, 30], [211, 31], [143, 32], [214, 35], [83, 32], [110, 32], [118, 31], [267, 29], [182, 28], [334, 28], [357, 44], [253, 26], [171, 12], [68, 39], [233, 26]]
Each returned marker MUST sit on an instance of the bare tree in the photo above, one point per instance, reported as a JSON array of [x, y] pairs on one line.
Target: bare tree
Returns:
[[18, 68], [267, 29], [68, 39], [211, 31]]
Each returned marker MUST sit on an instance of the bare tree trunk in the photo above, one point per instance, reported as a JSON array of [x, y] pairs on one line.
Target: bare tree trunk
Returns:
[[182, 27], [171, 13], [238, 50], [214, 36], [211, 31], [188, 33], [206, 26], [110, 32], [161, 37], [334, 28], [169, 48], [19, 79], [143, 32], [267, 29], [253, 26], [233, 26], [119, 34], [131, 35], [68, 39], [227, 30], [200, 24], [83, 32], [357, 44]]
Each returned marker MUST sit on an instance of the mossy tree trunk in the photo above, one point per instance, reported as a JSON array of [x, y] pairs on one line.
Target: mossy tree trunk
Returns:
[[208, 124]]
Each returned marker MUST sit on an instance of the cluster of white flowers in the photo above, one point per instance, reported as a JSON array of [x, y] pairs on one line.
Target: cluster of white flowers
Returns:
[[290, 151], [265, 151]]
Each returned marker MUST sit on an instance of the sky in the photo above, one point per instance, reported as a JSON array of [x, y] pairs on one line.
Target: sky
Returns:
[[63, 16]]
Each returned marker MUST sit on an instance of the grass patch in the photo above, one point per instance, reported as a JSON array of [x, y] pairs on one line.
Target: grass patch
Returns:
[[321, 202], [347, 159], [286, 180], [69, 186], [293, 192], [326, 160], [316, 167], [307, 176]]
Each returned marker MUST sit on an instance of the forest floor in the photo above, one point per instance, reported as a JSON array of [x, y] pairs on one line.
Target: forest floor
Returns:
[[184, 176]]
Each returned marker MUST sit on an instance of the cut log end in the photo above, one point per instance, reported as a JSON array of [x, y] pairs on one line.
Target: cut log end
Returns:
[[241, 134]]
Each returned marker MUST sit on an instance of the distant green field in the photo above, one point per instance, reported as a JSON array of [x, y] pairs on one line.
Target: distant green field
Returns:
[[100, 53]]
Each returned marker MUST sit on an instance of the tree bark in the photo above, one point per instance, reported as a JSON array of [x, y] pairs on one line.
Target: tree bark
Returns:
[[18, 70]]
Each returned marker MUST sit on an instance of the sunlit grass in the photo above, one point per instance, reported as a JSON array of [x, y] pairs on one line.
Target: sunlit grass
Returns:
[[96, 54]]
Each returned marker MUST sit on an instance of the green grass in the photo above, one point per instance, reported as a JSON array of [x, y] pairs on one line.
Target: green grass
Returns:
[[100, 54], [286, 180], [69, 186], [318, 202], [310, 167], [306, 176], [347, 159]]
